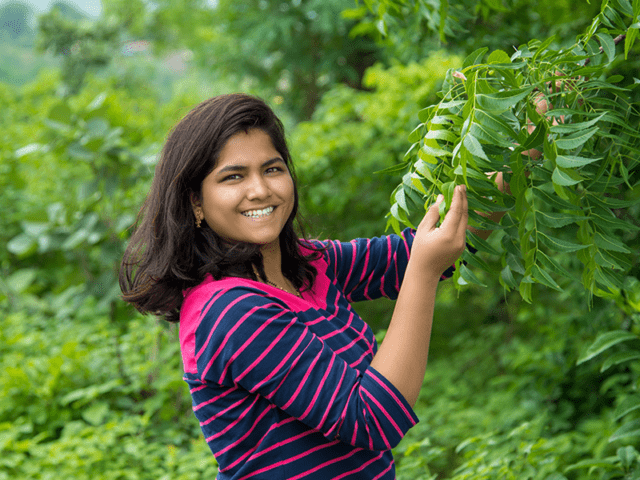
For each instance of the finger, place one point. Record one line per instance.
(452, 218)
(432, 216)
(464, 219)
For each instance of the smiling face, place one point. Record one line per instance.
(249, 195)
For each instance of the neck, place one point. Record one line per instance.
(272, 262)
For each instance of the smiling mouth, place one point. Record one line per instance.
(259, 213)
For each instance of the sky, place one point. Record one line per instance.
(90, 7)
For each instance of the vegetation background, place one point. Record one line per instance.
(545, 388)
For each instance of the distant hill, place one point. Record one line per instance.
(19, 62)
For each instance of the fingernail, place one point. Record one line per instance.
(440, 198)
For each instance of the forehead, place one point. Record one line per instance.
(247, 147)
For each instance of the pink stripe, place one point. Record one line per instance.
(318, 389)
(304, 379)
(291, 459)
(278, 367)
(272, 447)
(335, 264)
(248, 342)
(364, 272)
(218, 320)
(384, 472)
(355, 434)
(379, 428)
(227, 337)
(360, 468)
(390, 392)
(322, 465)
(347, 347)
(225, 410)
(354, 249)
(366, 427)
(333, 397)
(235, 422)
(197, 389)
(247, 433)
(361, 359)
(214, 399)
(281, 443)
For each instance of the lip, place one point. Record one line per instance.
(259, 208)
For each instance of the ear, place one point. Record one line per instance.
(196, 203)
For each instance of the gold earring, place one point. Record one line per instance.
(198, 220)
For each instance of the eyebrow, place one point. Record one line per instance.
(237, 168)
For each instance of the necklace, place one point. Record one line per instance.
(297, 294)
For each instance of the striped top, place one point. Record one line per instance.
(282, 385)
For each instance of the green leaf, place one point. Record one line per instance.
(489, 135)
(22, 245)
(620, 357)
(542, 47)
(544, 278)
(607, 259)
(451, 104)
(610, 243)
(565, 177)
(629, 429)
(480, 244)
(629, 404)
(401, 200)
(474, 57)
(498, 56)
(469, 276)
(576, 140)
(559, 245)
(627, 456)
(568, 161)
(495, 123)
(445, 135)
(604, 342)
(475, 261)
(474, 146)
(60, 113)
(22, 279)
(96, 413)
(591, 463)
(608, 46)
(557, 220)
(574, 127)
(610, 202)
(550, 264)
(434, 151)
(416, 134)
(553, 200)
(507, 277)
(501, 101)
(608, 278)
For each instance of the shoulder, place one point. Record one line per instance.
(216, 307)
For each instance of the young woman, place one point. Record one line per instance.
(286, 379)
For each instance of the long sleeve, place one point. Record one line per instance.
(250, 342)
(372, 268)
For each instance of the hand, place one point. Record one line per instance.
(437, 248)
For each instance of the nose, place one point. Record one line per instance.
(257, 188)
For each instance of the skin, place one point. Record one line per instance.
(402, 356)
(250, 175)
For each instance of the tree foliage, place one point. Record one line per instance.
(573, 199)
(543, 390)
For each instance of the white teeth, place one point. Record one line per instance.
(258, 213)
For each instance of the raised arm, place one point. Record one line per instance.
(402, 357)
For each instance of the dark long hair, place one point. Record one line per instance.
(167, 253)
